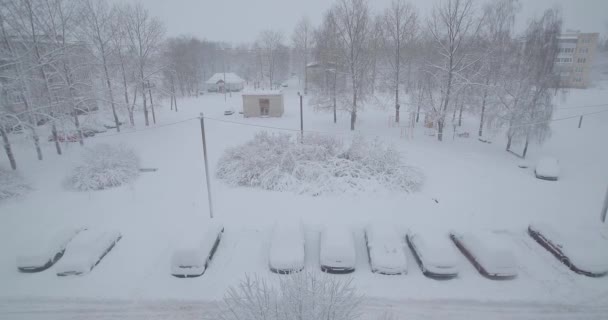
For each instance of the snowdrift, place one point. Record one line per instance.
(319, 165)
(11, 184)
(105, 166)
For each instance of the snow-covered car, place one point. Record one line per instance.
(385, 249)
(284, 85)
(547, 168)
(92, 129)
(192, 257)
(65, 136)
(286, 253)
(585, 252)
(228, 112)
(494, 263)
(86, 251)
(337, 251)
(435, 255)
(47, 251)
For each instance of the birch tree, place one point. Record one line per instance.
(352, 22)
(399, 26)
(450, 24)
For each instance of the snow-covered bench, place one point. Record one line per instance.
(584, 252)
(47, 252)
(192, 256)
(286, 253)
(435, 255)
(386, 250)
(337, 251)
(86, 250)
(496, 263)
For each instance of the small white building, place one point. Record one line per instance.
(228, 81)
(267, 103)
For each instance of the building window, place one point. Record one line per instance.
(581, 60)
(264, 107)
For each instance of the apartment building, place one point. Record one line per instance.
(575, 58)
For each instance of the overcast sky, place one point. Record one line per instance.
(241, 20)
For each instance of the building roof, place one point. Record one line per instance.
(263, 93)
(230, 78)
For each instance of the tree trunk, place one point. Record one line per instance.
(8, 149)
(108, 83)
(353, 113)
(397, 66)
(526, 147)
(77, 124)
(334, 96)
(440, 123)
(460, 114)
(483, 113)
(56, 138)
(509, 140)
(143, 94)
(36, 142)
(152, 106)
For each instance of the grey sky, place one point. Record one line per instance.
(241, 20)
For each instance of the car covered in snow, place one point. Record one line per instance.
(86, 251)
(547, 168)
(286, 253)
(584, 252)
(337, 250)
(435, 255)
(385, 249)
(192, 256)
(92, 129)
(47, 251)
(490, 259)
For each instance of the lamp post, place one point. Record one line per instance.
(301, 119)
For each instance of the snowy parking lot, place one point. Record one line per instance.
(469, 187)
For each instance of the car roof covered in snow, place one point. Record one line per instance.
(435, 249)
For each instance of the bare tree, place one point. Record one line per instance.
(450, 24)
(144, 35)
(302, 38)
(352, 21)
(300, 296)
(399, 26)
(97, 29)
(270, 43)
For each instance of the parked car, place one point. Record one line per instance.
(193, 256)
(92, 129)
(86, 251)
(112, 125)
(584, 253)
(228, 112)
(493, 263)
(385, 249)
(286, 250)
(65, 136)
(284, 85)
(47, 252)
(337, 251)
(547, 168)
(436, 257)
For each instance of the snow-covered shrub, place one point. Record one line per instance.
(11, 184)
(299, 296)
(105, 166)
(318, 165)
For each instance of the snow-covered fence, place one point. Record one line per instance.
(105, 166)
(320, 165)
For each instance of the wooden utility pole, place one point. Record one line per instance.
(206, 166)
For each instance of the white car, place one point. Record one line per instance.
(435, 255)
(584, 252)
(547, 168)
(192, 257)
(48, 252)
(337, 251)
(286, 250)
(492, 262)
(86, 251)
(386, 250)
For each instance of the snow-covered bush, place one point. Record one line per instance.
(299, 296)
(105, 166)
(319, 165)
(11, 184)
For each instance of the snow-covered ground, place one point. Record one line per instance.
(469, 187)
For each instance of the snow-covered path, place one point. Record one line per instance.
(55, 309)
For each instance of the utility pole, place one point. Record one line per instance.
(206, 166)
(224, 68)
(580, 122)
(301, 119)
(605, 207)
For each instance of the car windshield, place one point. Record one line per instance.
(322, 159)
